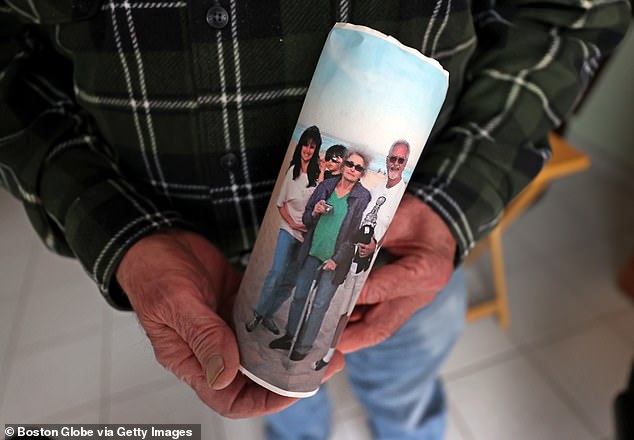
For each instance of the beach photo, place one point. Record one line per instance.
(365, 120)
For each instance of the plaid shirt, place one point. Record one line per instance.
(121, 117)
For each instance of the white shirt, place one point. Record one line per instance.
(295, 193)
(387, 209)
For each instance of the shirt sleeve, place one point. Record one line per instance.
(533, 60)
(283, 196)
(53, 159)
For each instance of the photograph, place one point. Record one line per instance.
(359, 135)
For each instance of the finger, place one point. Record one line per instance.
(378, 323)
(211, 341)
(173, 353)
(223, 277)
(243, 398)
(406, 276)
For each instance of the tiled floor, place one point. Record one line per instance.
(68, 358)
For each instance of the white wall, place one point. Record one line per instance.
(605, 123)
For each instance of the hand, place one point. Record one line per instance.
(392, 293)
(367, 249)
(330, 265)
(182, 290)
(299, 227)
(320, 208)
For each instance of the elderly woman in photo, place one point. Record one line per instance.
(298, 185)
(332, 216)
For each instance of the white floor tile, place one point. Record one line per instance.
(131, 358)
(623, 323)
(87, 414)
(8, 319)
(354, 428)
(591, 367)
(542, 304)
(481, 341)
(452, 432)
(517, 257)
(121, 318)
(15, 229)
(454, 426)
(61, 377)
(477, 276)
(51, 271)
(71, 305)
(13, 270)
(511, 401)
(345, 405)
(170, 404)
(550, 226)
(591, 272)
(598, 200)
(252, 429)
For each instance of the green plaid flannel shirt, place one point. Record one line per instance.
(121, 117)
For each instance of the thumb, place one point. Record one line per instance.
(212, 341)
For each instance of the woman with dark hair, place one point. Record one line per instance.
(312, 170)
(332, 216)
(331, 166)
(298, 185)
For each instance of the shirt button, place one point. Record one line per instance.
(217, 17)
(229, 161)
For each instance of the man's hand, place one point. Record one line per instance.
(365, 250)
(392, 293)
(182, 289)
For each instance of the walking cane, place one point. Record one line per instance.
(307, 306)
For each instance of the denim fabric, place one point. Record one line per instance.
(396, 381)
(280, 280)
(321, 302)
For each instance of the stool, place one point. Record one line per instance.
(565, 160)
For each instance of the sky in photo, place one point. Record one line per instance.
(368, 92)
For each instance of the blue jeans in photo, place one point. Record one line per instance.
(396, 381)
(280, 280)
(321, 302)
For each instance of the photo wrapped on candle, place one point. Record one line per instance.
(366, 117)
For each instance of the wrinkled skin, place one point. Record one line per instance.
(425, 249)
(182, 290)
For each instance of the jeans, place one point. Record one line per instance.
(280, 280)
(321, 302)
(396, 381)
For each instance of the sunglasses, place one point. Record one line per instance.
(351, 164)
(335, 159)
(394, 159)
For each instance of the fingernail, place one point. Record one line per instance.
(215, 367)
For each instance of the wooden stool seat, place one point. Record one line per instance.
(565, 160)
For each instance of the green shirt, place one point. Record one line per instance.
(328, 226)
(119, 118)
